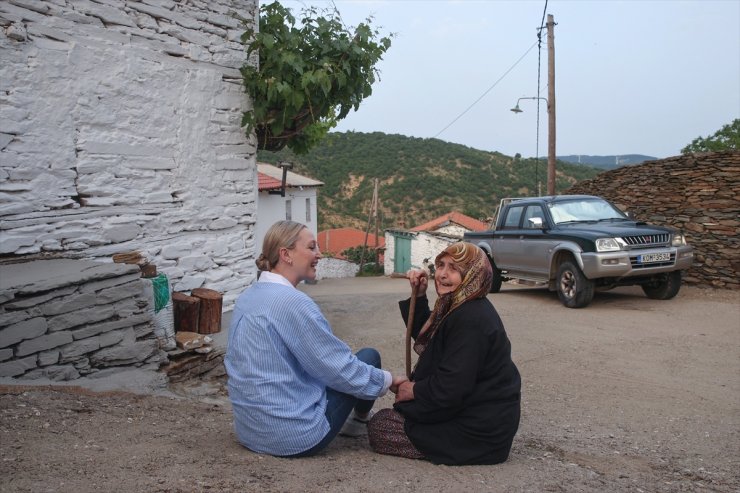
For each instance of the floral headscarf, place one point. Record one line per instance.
(476, 273)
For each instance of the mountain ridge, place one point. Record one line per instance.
(419, 179)
(607, 162)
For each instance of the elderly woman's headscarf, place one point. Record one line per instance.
(476, 273)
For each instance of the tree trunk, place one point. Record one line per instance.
(186, 311)
(211, 302)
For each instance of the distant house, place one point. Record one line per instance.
(335, 241)
(297, 204)
(407, 248)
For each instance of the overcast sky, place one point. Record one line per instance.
(631, 77)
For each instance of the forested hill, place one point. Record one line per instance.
(419, 179)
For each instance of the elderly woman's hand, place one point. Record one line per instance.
(418, 278)
(405, 392)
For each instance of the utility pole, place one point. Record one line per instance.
(551, 105)
(373, 214)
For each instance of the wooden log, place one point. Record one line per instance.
(186, 312)
(211, 303)
(148, 270)
(128, 258)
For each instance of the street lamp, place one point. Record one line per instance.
(516, 108)
(550, 145)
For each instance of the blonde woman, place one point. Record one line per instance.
(293, 385)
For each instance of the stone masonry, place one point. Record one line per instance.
(698, 194)
(120, 131)
(62, 319)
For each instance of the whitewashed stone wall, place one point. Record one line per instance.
(423, 246)
(120, 130)
(452, 229)
(334, 268)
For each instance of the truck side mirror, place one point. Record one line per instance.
(535, 222)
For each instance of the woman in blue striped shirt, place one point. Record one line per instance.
(293, 385)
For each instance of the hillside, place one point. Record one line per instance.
(420, 179)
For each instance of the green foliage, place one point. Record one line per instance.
(355, 254)
(420, 179)
(309, 77)
(368, 260)
(724, 139)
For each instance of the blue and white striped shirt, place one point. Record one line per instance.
(281, 357)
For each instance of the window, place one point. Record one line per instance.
(533, 211)
(308, 209)
(288, 210)
(512, 218)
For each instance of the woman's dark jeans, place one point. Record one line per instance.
(339, 405)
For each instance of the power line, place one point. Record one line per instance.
(487, 90)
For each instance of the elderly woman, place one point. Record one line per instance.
(462, 403)
(293, 385)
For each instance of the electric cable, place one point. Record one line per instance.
(487, 90)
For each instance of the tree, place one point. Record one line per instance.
(309, 77)
(726, 138)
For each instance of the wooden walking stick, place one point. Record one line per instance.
(409, 324)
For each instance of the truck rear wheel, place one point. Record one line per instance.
(496, 284)
(665, 288)
(574, 290)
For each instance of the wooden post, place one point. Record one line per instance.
(209, 321)
(551, 154)
(186, 312)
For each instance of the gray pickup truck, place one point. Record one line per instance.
(577, 244)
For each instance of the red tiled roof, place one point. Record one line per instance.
(268, 182)
(335, 241)
(454, 217)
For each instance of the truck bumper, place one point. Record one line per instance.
(629, 264)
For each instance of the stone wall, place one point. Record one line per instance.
(62, 319)
(699, 194)
(334, 268)
(120, 131)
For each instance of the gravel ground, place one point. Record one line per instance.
(628, 394)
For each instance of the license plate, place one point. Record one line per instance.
(649, 258)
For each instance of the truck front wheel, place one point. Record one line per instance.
(496, 283)
(665, 288)
(574, 290)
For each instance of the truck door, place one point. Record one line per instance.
(534, 246)
(506, 238)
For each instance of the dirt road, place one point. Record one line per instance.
(629, 394)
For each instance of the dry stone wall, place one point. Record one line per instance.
(62, 319)
(699, 194)
(120, 131)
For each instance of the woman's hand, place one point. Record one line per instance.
(398, 380)
(405, 391)
(418, 278)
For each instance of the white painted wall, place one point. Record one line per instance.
(452, 229)
(423, 245)
(120, 130)
(333, 268)
(272, 208)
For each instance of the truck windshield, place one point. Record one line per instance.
(584, 210)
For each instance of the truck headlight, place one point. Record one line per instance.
(607, 245)
(678, 240)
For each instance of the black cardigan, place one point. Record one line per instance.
(467, 389)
